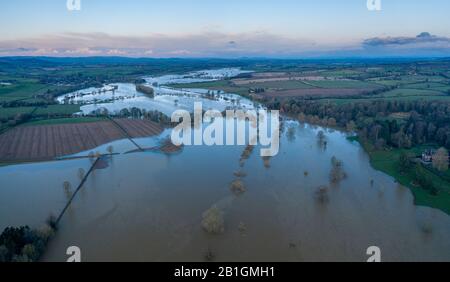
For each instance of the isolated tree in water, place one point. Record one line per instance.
(81, 173)
(440, 160)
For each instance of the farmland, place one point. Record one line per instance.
(391, 81)
(46, 142)
(381, 103)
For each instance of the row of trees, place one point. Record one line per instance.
(19, 103)
(14, 120)
(137, 113)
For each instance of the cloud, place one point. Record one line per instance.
(424, 38)
(424, 44)
(209, 44)
(216, 44)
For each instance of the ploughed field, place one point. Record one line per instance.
(318, 92)
(46, 142)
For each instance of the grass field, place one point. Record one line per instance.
(12, 112)
(57, 110)
(22, 89)
(63, 121)
(343, 84)
(405, 92)
(40, 111)
(393, 98)
(289, 88)
(282, 85)
(387, 162)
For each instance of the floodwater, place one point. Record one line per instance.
(149, 206)
(166, 99)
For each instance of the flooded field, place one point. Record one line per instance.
(226, 203)
(166, 99)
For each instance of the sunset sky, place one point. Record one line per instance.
(232, 28)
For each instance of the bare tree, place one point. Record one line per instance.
(81, 173)
(337, 172)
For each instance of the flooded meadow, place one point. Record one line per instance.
(317, 200)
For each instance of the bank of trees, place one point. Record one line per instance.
(23, 244)
(420, 122)
(441, 159)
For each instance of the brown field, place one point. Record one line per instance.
(269, 74)
(245, 81)
(46, 142)
(316, 92)
(139, 128)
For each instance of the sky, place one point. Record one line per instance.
(229, 29)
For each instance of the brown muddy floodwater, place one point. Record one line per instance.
(150, 206)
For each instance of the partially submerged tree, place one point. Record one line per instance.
(81, 173)
(67, 186)
(110, 149)
(321, 139)
(337, 172)
(67, 189)
(237, 187)
(266, 162)
(321, 194)
(240, 173)
(213, 221)
(91, 155)
(321, 136)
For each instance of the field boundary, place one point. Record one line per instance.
(76, 191)
(126, 133)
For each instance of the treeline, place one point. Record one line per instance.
(137, 113)
(23, 244)
(19, 103)
(400, 124)
(14, 120)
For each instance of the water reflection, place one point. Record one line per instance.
(155, 209)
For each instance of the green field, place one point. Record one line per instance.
(22, 89)
(404, 92)
(343, 84)
(64, 121)
(387, 162)
(57, 110)
(12, 112)
(278, 85)
(40, 111)
(393, 98)
(340, 73)
(427, 85)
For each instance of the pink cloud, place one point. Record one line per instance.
(158, 45)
